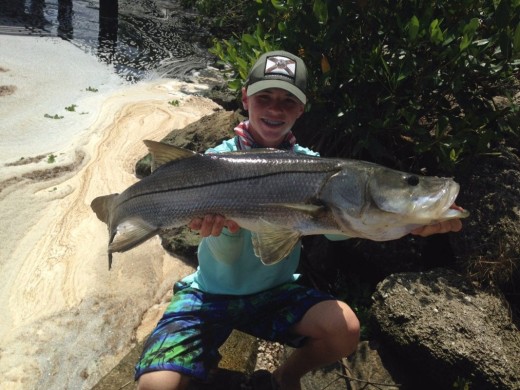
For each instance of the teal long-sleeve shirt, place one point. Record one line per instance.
(228, 264)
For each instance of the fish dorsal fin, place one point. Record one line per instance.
(274, 242)
(131, 233)
(164, 153)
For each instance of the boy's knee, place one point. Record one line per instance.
(162, 380)
(352, 330)
(344, 329)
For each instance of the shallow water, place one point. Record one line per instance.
(145, 36)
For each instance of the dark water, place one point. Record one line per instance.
(139, 37)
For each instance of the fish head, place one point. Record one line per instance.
(421, 199)
(378, 203)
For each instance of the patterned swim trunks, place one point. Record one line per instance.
(196, 324)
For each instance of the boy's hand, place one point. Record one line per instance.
(451, 225)
(212, 225)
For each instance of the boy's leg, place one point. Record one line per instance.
(322, 328)
(332, 331)
(184, 343)
(163, 380)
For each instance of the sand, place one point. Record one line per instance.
(66, 320)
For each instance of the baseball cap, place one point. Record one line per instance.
(278, 69)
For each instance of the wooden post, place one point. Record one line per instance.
(108, 23)
(108, 9)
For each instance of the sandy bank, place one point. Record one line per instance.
(66, 319)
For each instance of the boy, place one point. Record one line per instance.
(232, 289)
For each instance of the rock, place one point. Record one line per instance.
(198, 136)
(239, 352)
(488, 247)
(444, 329)
(365, 369)
(330, 377)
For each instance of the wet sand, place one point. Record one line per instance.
(66, 320)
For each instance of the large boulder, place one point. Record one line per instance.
(445, 329)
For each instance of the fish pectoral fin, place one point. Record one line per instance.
(306, 208)
(131, 233)
(164, 153)
(274, 244)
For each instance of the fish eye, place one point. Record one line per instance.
(412, 180)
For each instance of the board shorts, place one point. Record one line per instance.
(196, 324)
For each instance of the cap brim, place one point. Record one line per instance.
(266, 84)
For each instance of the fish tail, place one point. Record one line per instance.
(102, 205)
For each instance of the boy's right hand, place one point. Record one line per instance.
(212, 225)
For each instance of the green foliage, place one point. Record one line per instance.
(71, 108)
(55, 116)
(241, 53)
(51, 159)
(462, 384)
(174, 103)
(405, 83)
(224, 16)
(92, 89)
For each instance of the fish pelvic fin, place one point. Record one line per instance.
(163, 153)
(274, 243)
(130, 233)
(102, 206)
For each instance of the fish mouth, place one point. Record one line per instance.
(432, 200)
(438, 204)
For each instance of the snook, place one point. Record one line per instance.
(278, 195)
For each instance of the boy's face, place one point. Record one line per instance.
(272, 113)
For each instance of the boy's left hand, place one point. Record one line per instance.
(451, 225)
(212, 225)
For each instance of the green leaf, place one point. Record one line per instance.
(278, 5)
(436, 34)
(471, 27)
(502, 14)
(464, 43)
(468, 32)
(235, 84)
(321, 11)
(413, 28)
(249, 39)
(505, 44)
(516, 39)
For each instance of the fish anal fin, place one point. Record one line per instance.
(274, 243)
(163, 153)
(131, 233)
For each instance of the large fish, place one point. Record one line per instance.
(278, 195)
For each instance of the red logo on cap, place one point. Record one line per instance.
(280, 65)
